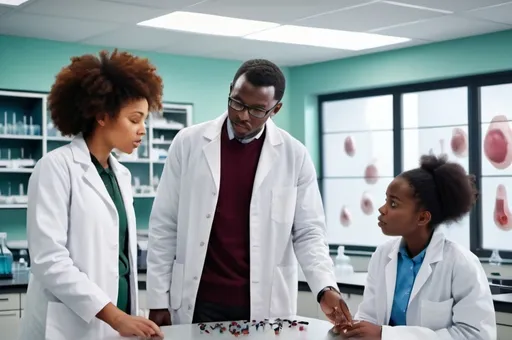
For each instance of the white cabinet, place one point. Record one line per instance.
(10, 324)
(307, 305)
(10, 315)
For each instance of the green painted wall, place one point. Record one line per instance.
(479, 54)
(31, 65)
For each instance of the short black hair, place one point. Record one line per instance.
(261, 72)
(443, 188)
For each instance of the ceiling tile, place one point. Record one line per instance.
(283, 11)
(53, 28)
(453, 5)
(368, 17)
(500, 13)
(4, 9)
(93, 10)
(165, 4)
(444, 28)
(243, 49)
(136, 38)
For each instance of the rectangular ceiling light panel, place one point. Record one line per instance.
(322, 37)
(207, 24)
(12, 2)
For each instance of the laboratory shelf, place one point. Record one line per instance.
(16, 170)
(27, 133)
(144, 195)
(58, 139)
(22, 137)
(13, 206)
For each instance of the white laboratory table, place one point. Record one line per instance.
(316, 330)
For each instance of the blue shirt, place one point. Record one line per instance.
(406, 272)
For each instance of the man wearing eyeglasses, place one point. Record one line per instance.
(238, 204)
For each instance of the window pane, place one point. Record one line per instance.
(436, 122)
(495, 237)
(361, 114)
(363, 229)
(496, 100)
(418, 142)
(447, 107)
(369, 148)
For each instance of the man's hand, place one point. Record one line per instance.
(161, 317)
(335, 309)
(360, 330)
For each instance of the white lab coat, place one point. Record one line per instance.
(72, 230)
(451, 298)
(286, 219)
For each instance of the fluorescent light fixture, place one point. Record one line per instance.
(12, 2)
(322, 37)
(207, 24)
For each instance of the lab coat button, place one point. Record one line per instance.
(201, 244)
(214, 193)
(195, 278)
(189, 307)
(209, 215)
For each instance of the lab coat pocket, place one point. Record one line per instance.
(284, 200)
(283, 302)
(436, 315)
(176, 285)
(64, 324)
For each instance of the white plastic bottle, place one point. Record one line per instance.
(343, 267)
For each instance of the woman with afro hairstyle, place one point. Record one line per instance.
(81, 225)
(421, 286)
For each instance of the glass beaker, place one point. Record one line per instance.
(5, 258)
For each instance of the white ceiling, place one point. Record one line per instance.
(113, 23)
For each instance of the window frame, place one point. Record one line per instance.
(473, 83)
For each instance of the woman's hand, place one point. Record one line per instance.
(128, 325)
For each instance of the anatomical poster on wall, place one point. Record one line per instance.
(364, 168)
(496, 166)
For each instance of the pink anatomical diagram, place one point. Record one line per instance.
(502, 216)
(459, 142)
(350, 147)
(371, 173)
(497, 142)
(367, 204)
(345, 216)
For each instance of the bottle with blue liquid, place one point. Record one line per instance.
(5, 258)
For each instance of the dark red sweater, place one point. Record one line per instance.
(226, 274)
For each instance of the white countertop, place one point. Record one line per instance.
(316, 330)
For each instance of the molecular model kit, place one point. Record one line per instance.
(246, 327)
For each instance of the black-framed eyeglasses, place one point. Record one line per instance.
(255, 112)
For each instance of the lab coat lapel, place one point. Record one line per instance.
(391, 270)
(82, 155)
(268, 154)
(212, 149)
(433, 255)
